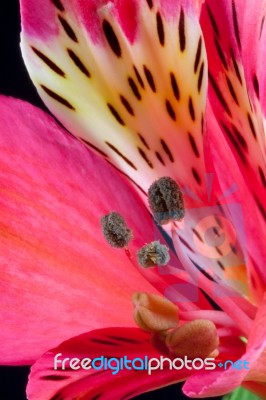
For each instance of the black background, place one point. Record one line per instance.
(14, 81)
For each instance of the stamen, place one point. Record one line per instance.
(153, 254)
(115, 230)
(166, 200)
(198, 338)
(154, 313)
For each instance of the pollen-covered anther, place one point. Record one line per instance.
(194, 339)
(153, 254)
(115, 230)
(166, 201)
(154, 313)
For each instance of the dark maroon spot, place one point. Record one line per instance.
(54, 377)
(236, 67)
(116, 114)
(56, 97)
(94, 148)
(58, 5)
(251, 125)
(128, 177)
(138, 77)
(57, 396)
(256, 86)
(240, 138)
(193, 145)
(121, 155)
(196, 176)
(262, 177)
(167, 150)
(144, 141)
(220, 53)
(219, 95)
(197, 234)
(134, 88)
(159, 157)
(202, 270)
(233, 248)
(160, 28)
(233, 140)
(127, 105)
(111, 38)
(213, 22)
(198, 55)
(185, 243)
(218, 251)
(67, 28)
(175, 86)
(181, 30)
(202, 123)
(145, 158)
(191, 109)
(97, 396)
(219, 222)
(232, 90)
(170, 110)
(149, 78)
(123, 339)
(235, 21)
(221, 265)
(49, 62)
(262, 25)
(150, 3)
(261, 208)
(76, 60)
(104, 342)
(200, 79)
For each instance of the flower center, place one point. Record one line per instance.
(152, 313)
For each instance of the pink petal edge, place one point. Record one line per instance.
(59, 277)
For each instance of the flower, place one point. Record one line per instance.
(110, 74)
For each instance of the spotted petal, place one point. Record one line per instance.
(129, 77)
(58, 276)
(233, 35)
(47, 383)
(243, 214)
(112, 77)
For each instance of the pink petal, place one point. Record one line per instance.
(58, 275)
(241, 209)
(221, 382)
(231, 29)
(45, 382)
(111, 76)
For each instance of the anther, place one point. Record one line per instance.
(115, 230)
(194, 339)
(166, 201)
(154, 313)
(153, 254)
